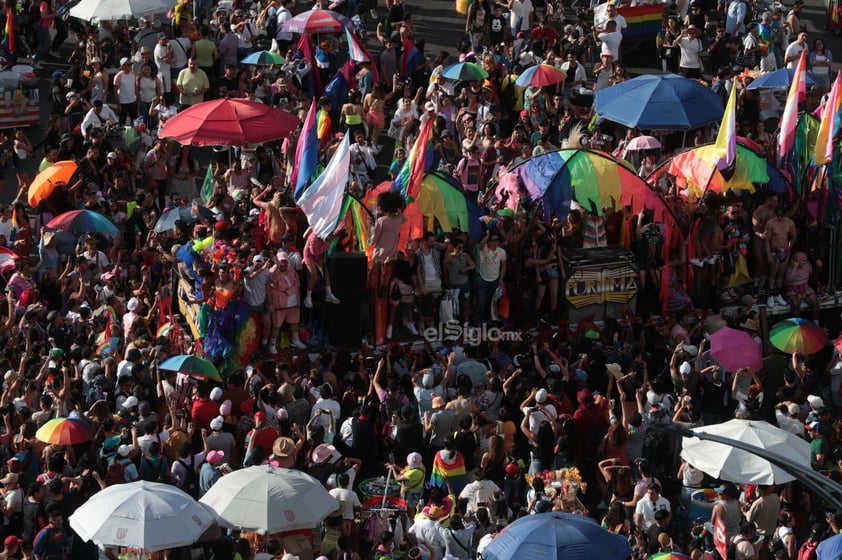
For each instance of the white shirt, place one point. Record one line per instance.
(158, 54)
(690, 49)
(539, 416)
(348, 500)
(791, 425)
(611, 42)
(794, 49)
(427, 531)
(6, 229)
(180, 472)
(479, 492)
(520, 13)
(124, 84)
(255, 288)
(91, 118)
(322, 419)
(647, 509)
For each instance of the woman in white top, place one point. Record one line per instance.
(820, 60)
(23, 151)
(690, 46)
(149, 88)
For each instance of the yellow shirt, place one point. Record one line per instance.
(190, 84)
(182, 14)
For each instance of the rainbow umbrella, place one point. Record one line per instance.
(82, 221)
(541, 75)
(668, 556)
(465, 71)
(442, 199)
(316, 21)
(798, 335)
(695, 169)
(193, 366)
(46, 181)
(263, 58)
(163, 330)
(595, 179)
(65, 431)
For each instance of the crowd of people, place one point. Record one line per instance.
(474, 435)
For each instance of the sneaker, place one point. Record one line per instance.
(411, 328)
(273, 348)
(697, 262)
(330, 298)
(770, 301)
(781, 301)
(308, 302)
(389, 332)
(298, 344)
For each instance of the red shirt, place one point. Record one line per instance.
(203, 411)
(264, 438)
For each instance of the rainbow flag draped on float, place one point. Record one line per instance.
(823, 153)
(644, 22)
(418, 161)
(789, 120)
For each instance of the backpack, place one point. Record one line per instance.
(808, 550)
(156, 473)
(116, 473)
(272, 24)
(191, 479)
(732, 546)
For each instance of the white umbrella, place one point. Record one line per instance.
(266, 499)
(735, 465)
(145, 515)
(109, 10)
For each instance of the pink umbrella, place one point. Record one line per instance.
(643, 143)
(735, 349)
(317, 21)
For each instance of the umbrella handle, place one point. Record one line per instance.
(386, 490)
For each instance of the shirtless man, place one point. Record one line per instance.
(780, 238)
(762, 214)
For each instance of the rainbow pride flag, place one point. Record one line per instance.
(9, 32)
(789, 120)
(418, 162)
(454, 473)
(644, 22)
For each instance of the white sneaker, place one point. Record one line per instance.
(389, 332)
(781, 300)
(330, 298)
(298, 344)
(308, 302)
(273, 348)
(697, 262)
(770, 301)
(411, 328)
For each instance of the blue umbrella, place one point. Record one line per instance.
(659, 102)
(185, 213)
(780, 79)
(830, 549)
(557, 536)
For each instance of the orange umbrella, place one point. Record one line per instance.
(45, 182)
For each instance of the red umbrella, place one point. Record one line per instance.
(735, 349)
(317, 21)
(229, 122)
